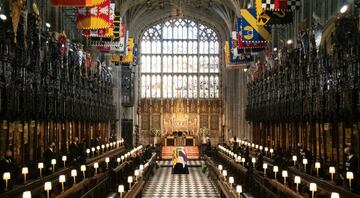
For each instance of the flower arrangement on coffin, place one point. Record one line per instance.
(156, 133)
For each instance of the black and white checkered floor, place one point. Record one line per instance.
(190, 163)
(166, 185)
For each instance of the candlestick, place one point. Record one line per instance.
(83, 169)
(40, 167)
(305, 162)
(64, 158)
(297, 181)
(231, 181)
(26, 194)
(88, 153)
(47, 188)
(130, 180)
(93, 151)
(317, 166)
(25, 171)
(285, 175)
(313, 189)
(96, 166)
(265, 166)
(136, 173)
(53, 163)
(118, 160)
(220, 167)
(349, 176)
(62, 179)
(6, 177)
(332, 171)
(107, 160)
(103, 148)
(253, 160)
(335, 195)
(121, 190)
(294, 158)
(239, 190)
(74, 174)
(276, 170)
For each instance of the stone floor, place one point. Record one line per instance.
(166, 185)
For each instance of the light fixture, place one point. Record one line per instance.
(121, 190)
(136, 173)
(243, 161)
(107, 160)
(335, 195)
(313, 189)
(88, 152)
(96, 166)
(294, 158)
(40, 167)
(289, 42)
(275, 49)
(25, 171)
(332, 172)
(26, 194)
(224, 173)
(285, 175)
(47, 188)
(3, 17)
(6, 177)
(47, 24)
(261, 148)
(305, 162)
(343, 9)
(220, 167)
(297, 181)
(245, 69)
(83, 169)
(271, 151)
(118, 160)
(64, 158)
(349, 176)
(103, 148)
(231, 181)
(275, 170)
(53, 163)
(62, 179)
(130, 180)
(317, 166)
(74, 174)
(253, 160)
(265, 166)
(93, 151)
(239, 190)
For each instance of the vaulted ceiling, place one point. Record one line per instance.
(219, 14)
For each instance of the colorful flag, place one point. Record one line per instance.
(76, 3)
(95, 17)
(103, 32)
(273, 15)
(250, 30)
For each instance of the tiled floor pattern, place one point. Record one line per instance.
(166, 185)
(190, 163)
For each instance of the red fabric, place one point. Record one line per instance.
(242, 45)
(281, 4)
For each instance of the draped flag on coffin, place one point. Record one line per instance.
(179, 156)
(250, 30)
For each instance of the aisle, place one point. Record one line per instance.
(166, 185)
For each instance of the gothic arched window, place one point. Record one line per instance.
(180, 59)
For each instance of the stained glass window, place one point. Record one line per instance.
(180, 59)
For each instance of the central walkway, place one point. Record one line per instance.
(166, 185)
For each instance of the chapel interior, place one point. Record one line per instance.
(179, 98)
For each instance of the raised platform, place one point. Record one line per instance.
(192, 152)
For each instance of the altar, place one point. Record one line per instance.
(179, 139)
